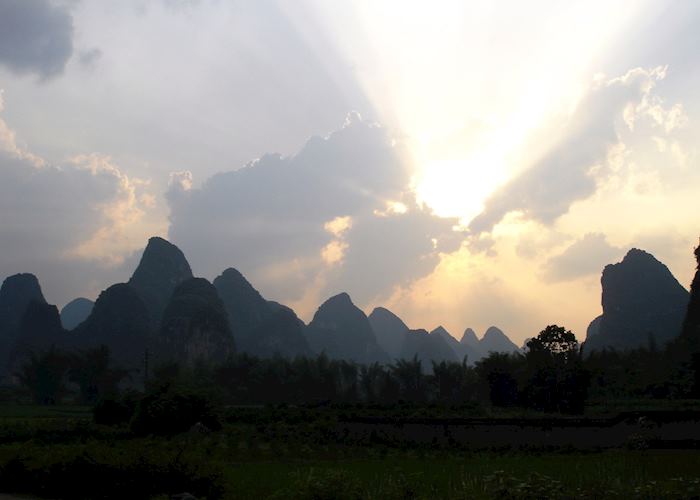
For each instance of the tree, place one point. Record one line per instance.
(555, 341)
(347, 381)
(556, 378)
(499, 371)
(44, 374)
(409, 375)
(370, 379)
(91, 369)
(454, 382)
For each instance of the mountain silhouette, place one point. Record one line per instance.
(40, 329)
(119, 320)
(16, 293)
(494, 340)
(342, 331)
(195, 325)
(641, 300)
(691, 324)
(427, 348)
(389, 329)
(259, 327)
(471, 345)
(449, 340)
(163, 267)
(593, 327)
(468, 347)
(75, 312)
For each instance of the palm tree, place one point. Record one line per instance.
(409, 374)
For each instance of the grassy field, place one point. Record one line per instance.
(59, 453)
(8, 411)
(485, 475)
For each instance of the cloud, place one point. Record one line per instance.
(584, 257)
(89, 58)
(73, 225)
(286, 221)
(36, 36)
(570, 171)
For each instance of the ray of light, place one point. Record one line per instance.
(477, 88)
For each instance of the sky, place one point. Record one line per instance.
(464, 164)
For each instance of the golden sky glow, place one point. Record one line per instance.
(533, 143)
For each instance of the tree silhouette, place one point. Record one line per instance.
(91, 369)
(44, 374)
(554, 341)
(409, 375)
(454, 383)
(499, 371)
(370, 379)
(556, 378)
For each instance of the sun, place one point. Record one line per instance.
(458, 187)
(470, 89)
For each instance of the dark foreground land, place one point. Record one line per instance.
(351, 452)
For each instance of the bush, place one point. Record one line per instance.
(169, 410)
(88, 472)
(116, 410)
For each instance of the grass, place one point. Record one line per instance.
(259, 455)
(484, 475)
(36, 411)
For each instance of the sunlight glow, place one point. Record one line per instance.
(476, 94)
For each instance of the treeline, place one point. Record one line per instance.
(551, 376)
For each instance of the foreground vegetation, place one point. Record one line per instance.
(278, 428)
(553, 375)
(282, 452)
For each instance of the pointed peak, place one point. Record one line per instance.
(633, 258)
(80, 301)
(22, 286)
(338, 304)
(161, 261)
(495, 340)
(75, 312)
(232, 272)
(494, 331)
(383, 313)
(469, 337)
(232, 277)
(638, 253)
(440, 330)
(341, 299)
(157, 240)
(158, 246)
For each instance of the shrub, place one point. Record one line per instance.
(79, 472)
(170, 410)
(114, 411)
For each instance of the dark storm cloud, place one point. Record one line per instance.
(269, 219)
(36, 36)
